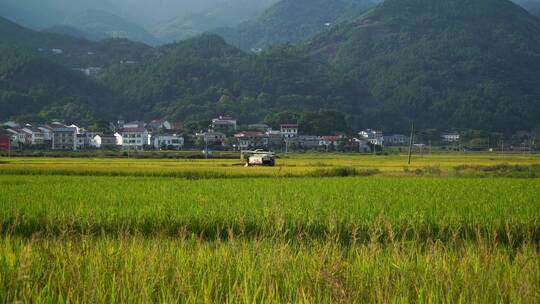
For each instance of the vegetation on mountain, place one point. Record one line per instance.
(441, 63)
(292, 21)
(225, 14)
(106, 25)
(36, 89)
(75, 52)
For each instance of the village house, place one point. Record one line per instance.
(47, 134)
(105, 141)
(64, 139)
(168, 142)
(450, 137)
(330, 141)
(211, 138)
(5, 140)
(131, 125)
(372, 136)
(135, 138)
(308, 141)
(259, 127)
(37, 138)
(361, 145)
(157, 124)
(274, 138)
(396, 140)
(289, 131)
(18, 137)
(251, 139)
(224, 124)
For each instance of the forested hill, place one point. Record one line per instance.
(292, 21)
(36, 89)
(204, 76)
(76, 52)
(441, 62)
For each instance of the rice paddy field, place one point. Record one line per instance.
(314, 229)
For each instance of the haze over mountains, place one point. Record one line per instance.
(443, 63)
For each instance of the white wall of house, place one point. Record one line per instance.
(175, 141)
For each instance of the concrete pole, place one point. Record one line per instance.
(411, 144)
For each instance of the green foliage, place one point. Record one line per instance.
(469, 62)
(292, 21)
(37, 89)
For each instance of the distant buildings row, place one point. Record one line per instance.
(163, 135)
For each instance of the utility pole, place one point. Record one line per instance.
(206, 146)
(411, 143)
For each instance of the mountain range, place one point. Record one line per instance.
(442, 63)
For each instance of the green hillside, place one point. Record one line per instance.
(107, 25)
(292, 21)
(76, 52)
(34, 89)
(441, 62)
(444, 64)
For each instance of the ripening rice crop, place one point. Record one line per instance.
(348, 239)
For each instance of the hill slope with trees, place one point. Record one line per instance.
(441, 62)
(292, 21)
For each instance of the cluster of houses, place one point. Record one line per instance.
(58, 136)
(163, 135)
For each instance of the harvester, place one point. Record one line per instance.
(259, 158)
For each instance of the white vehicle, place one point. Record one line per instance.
(259, 158)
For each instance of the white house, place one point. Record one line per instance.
(135, 138)
(105, 141)
(396, 140)
(36, 135)
(224, 124)
(450, 137)
(251, 139)
(372, 136)
(327, 141)
(168, 141)
(289, 131)
(211, 137)
(309, 141)
(47, 133)
(18, 136)
(158, 124)
(64, 139)
(133, 125)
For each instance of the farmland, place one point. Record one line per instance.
(464, 228)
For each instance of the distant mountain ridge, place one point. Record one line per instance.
(441, 63)
(292, 21)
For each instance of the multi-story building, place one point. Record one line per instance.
(224, 124)
(450, 137)
(37, 138)
(211, 138)
(330, 141)
(168, 142)
(289, 131)
(396, 140)
(105, 141)
(251, 139)
(372, 136)
(308, 141)
(64, 139)
(135, 138)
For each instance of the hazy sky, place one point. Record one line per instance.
(147, 12)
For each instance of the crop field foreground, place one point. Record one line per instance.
(450, 229)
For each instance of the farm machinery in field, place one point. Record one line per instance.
(259, 158)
